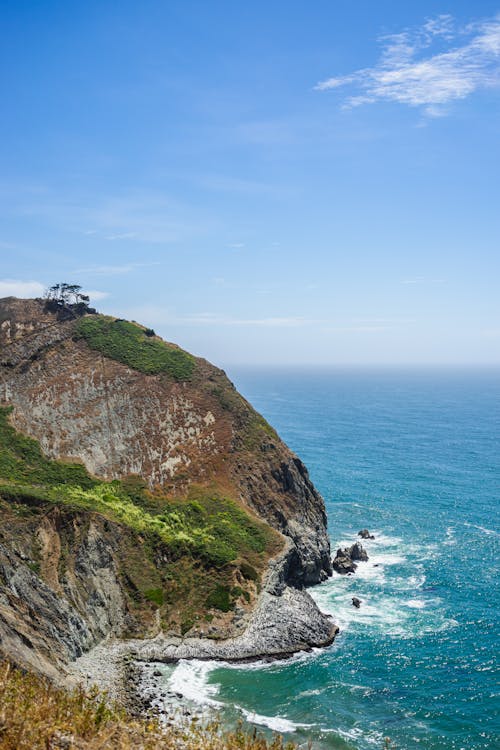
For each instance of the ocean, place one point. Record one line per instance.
(414, 456)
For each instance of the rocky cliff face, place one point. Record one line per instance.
(175, 432)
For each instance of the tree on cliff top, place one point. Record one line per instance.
(67, 299)
(67, 294)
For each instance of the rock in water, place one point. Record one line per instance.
(356, 602)
(365, 534)
(343, 563)
(357, 552)
(344, 560)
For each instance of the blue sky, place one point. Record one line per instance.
(265, 182)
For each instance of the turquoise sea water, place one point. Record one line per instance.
(415, 457)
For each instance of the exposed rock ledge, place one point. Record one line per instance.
(285, 621)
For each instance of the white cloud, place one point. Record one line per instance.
(226, 320)
(410, 72)
(157, 315)
(95, 295)
(114, 270)
(17, 288)
(129, 216)
(121, 236)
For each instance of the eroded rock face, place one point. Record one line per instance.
(54, 609)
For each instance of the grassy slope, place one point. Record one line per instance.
(34, 715)
(134, 346)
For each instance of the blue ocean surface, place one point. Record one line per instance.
(415, 457)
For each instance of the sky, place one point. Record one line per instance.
(265, 183)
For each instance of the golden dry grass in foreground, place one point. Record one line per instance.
(34, 715)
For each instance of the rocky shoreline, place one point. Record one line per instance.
(285, 621)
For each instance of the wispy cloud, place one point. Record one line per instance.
(116, 270)
(18, 288)
(158, 315)
(140, 216)
(360, 329)
(412, 71)
(273, 322)
(121, 236)
(422, 280)
(95, 295)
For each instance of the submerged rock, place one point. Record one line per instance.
(365, 534)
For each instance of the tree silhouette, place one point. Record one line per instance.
(67, 300)
(67, 294)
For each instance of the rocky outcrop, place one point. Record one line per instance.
(357, 552)
(345, 559)
(46, 627)
(62, 598)
(282, 624)
(342, 562)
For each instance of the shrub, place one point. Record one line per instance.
(248, 572)
(220, 598)
(155, 596)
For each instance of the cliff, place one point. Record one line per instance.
(142, 496)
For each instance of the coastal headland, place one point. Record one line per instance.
(146, 507)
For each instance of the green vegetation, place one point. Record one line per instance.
(220, 598)
(216, 532)
(248, 572)
(155, 596)
(35, 715)
(180, 555)
(256, 430)
(21, 460)
(134, 346)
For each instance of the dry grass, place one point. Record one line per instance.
(34, 715)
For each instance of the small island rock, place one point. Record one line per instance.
(365, 534)
(342, 562)
(357, 552)
(356, 602)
